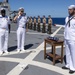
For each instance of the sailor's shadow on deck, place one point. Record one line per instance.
(28, 46)
(12, 48)
(15, 47)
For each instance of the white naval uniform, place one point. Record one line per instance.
(4, 21)
(21, 30)
(69, 35)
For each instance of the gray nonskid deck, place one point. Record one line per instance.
(33, 61)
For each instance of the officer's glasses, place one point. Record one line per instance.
(22, 11)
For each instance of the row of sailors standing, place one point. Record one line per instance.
(35, 24)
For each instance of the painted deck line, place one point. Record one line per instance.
(29, 58)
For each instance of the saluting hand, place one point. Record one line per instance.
(19, 13)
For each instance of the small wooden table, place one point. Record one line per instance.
(53, 53)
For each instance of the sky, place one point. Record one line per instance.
(55, 8)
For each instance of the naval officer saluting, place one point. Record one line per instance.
(4, 22)
(21, 30)
(69, 35)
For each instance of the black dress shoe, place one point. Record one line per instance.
(71, 72)
(64, 67)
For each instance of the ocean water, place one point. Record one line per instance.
(60, 21)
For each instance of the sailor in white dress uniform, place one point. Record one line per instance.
(21, 30)
(4, 22)
(69, 36)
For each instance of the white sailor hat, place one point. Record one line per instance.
(2, 9)
(21, 8)
(71, 7)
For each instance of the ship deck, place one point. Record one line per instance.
(31, 62)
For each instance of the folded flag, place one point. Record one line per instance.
(53, 38)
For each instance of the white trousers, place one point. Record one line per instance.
(70, 54)
(3, 40)
(20, 38)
